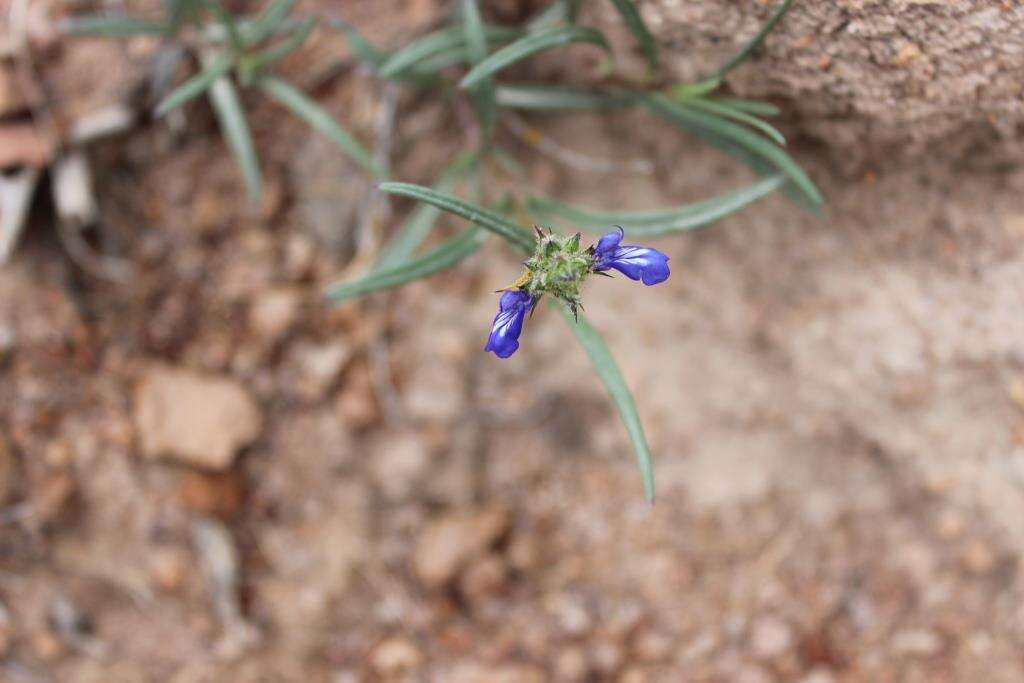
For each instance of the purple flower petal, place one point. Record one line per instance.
(607, 244)
(632, 260)
(508, 323)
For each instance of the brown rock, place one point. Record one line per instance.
(220, 494)
(455, 539)
(194, 419)
(771, 637)
(396, 655)
(483, 578)
(272, 314)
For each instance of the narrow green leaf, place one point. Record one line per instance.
(196, 85)
(608, 371)
(499, 225)
(531, 44)
(484, 105)
(264, 23)
(310, 112)
(232, 122)
(415, 229)
(227, 21)
(747, 49)
(662, 221)
(473, 25)
(526, 96)
(687, 91)
(718, 130)
(369, 53)
(455, 37)
(726, 111)
(445, 255)
(635, 23)
(112, 25)
(261, 60)
(558, 12)
(750, 106)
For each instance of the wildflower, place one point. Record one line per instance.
(632, 260)
(508, 324)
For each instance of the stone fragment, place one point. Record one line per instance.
(454, 540)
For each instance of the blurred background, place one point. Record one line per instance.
(207, 473)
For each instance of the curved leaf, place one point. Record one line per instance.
(281, 50)
(196, 85)
(232, 122)
(608, 371)
(724, 110)
(455, 37)
(531, 44)
(635, 23)
(488, 220)
(526, 96)
(309, 111)
(663, 221)
(447, 254)
(112, 25)
(415, 229)
(264, 23)
(731, 136)
(750, 106)
(747, 49)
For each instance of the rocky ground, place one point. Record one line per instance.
(207, 474)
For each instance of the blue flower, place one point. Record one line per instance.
(632, 260)
(508, 324)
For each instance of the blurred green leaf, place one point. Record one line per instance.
(750, 106)
(264, 23)
(747, 49)
(608, 371)
(445, 255)
(635, 23)
(309, 111)
(259, 61)
(483, 94)
(526, 96)
(661, 221)
(735, 137)
(687, 91)
(499, 225)
(366, 51)
(228, 22)
(558, 12)
(415, 229)
(531, 44)
(112, 25)
(232, 122)
(196, 85)
(414, 53)
(724, 110)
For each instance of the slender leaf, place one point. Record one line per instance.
(719, 131)
(608, 371)
(264, 23)
(724, 110)
(415, 229)
(229, 113)
(476, 47)
(369, 53)
(750, 106)
(531, 44)
(227, 21)
(445, 255)
(558, 12)
(635, 23)
(687, 91)
(747, 49)
(259, 61)
(663, 221)
(196, 85)
(526, 96)
(455, 37)
(112, 25)
(309, 111)
(499, 225)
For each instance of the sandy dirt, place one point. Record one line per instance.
(835, 405)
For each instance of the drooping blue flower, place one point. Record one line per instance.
(632, 260)
(508, 324)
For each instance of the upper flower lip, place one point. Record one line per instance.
(632, 260)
